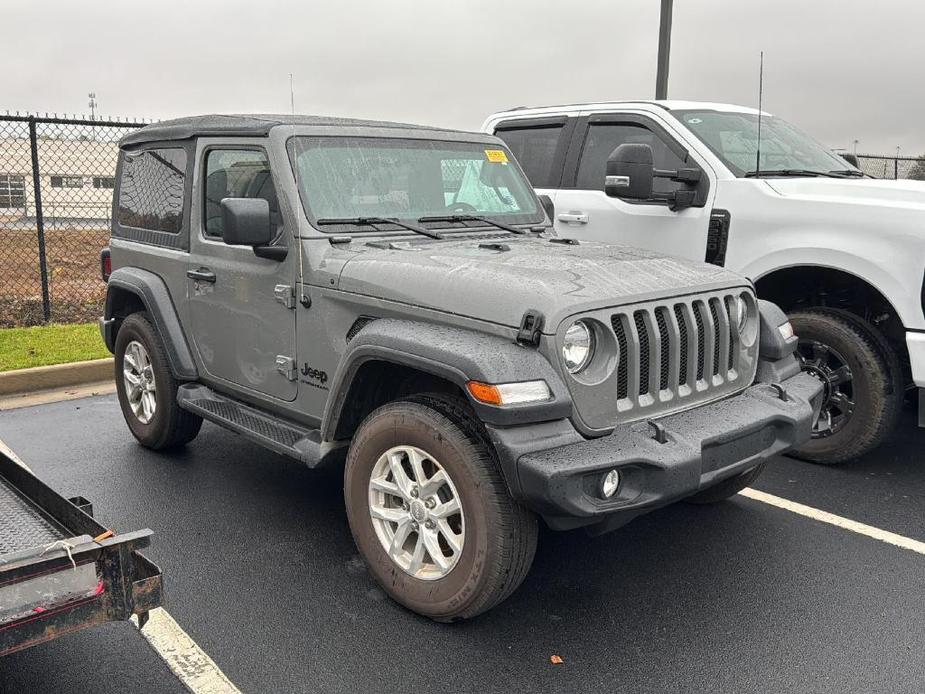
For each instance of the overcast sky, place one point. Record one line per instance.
(841, 69)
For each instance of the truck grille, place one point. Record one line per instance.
(682, 350)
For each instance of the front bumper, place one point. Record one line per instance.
(701, 447)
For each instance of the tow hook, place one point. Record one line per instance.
(781, 392)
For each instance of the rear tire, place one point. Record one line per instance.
(492, 538)
(727, 488)
(863, 384)
(147, 389)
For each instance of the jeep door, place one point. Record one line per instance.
(242, 317)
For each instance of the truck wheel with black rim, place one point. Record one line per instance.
(430, 512)
(147, 389)
(727, 488)
(862, 381)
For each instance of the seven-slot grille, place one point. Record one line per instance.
(670, 351)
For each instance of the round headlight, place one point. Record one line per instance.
(740, 313)
(578, 346)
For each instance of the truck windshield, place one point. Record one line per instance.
(785, 149)
(350, 178)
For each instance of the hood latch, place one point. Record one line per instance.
(531, 327)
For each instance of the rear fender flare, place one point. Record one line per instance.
(154, 295)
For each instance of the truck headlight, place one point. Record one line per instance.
(740, 313)
(578, 346)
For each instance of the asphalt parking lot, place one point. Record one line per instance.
(261, 571)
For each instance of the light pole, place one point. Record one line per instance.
(664, 50)
(92, 105)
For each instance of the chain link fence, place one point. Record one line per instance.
(56, 183)
(880, 166)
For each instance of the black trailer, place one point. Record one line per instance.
(60, 570)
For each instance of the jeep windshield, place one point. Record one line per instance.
(785, 150)
(346, 182)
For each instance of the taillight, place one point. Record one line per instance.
(105, 264)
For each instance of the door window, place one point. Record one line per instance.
(604, 138)
(236, 173)
(535, 147)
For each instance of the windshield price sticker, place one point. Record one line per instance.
(496, 156)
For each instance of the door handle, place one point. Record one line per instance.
(573, 217)
(203, 274)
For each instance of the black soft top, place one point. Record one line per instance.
(250, 125)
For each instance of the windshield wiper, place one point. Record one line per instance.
(788, 172)
(373, 221)
(472, 218)
(849, 173)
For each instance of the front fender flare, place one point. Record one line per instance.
(154, 295)
(455, 355)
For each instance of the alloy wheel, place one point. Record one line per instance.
(416, 512)
(140, 387)
(829, 366)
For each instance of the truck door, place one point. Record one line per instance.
(583, 210)
(242, 317)
(540, 146)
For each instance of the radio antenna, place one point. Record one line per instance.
(760, 98)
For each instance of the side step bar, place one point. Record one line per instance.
(268, 430)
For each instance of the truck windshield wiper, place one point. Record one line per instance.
(788, 172)
(373, 221)
(471, 218)
(849, 173)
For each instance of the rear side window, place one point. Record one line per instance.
(151, 190)
(535, 147)
(604, 138)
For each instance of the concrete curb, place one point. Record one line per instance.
(78, 373)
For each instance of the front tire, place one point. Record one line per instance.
(430, 512)
(147, 389)
(863, 384)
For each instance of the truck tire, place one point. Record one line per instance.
(727, 488)
(411, 464)
(863, 383)
(147, 389)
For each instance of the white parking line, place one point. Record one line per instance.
(192, 666)
(838, 521)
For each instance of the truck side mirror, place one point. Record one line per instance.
(548, 207)
(630, 172)
(851, 159)
(246, 222)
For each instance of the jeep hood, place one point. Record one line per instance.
(862, 191)
(497, 280)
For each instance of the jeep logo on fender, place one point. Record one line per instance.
(314, 374)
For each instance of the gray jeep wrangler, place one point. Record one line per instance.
(390, 299)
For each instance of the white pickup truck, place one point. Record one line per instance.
(842, 253)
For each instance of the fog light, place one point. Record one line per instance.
(610, 484)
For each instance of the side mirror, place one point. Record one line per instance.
(630, 172)
(246, 222)
(851, 159)
(548, 207)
